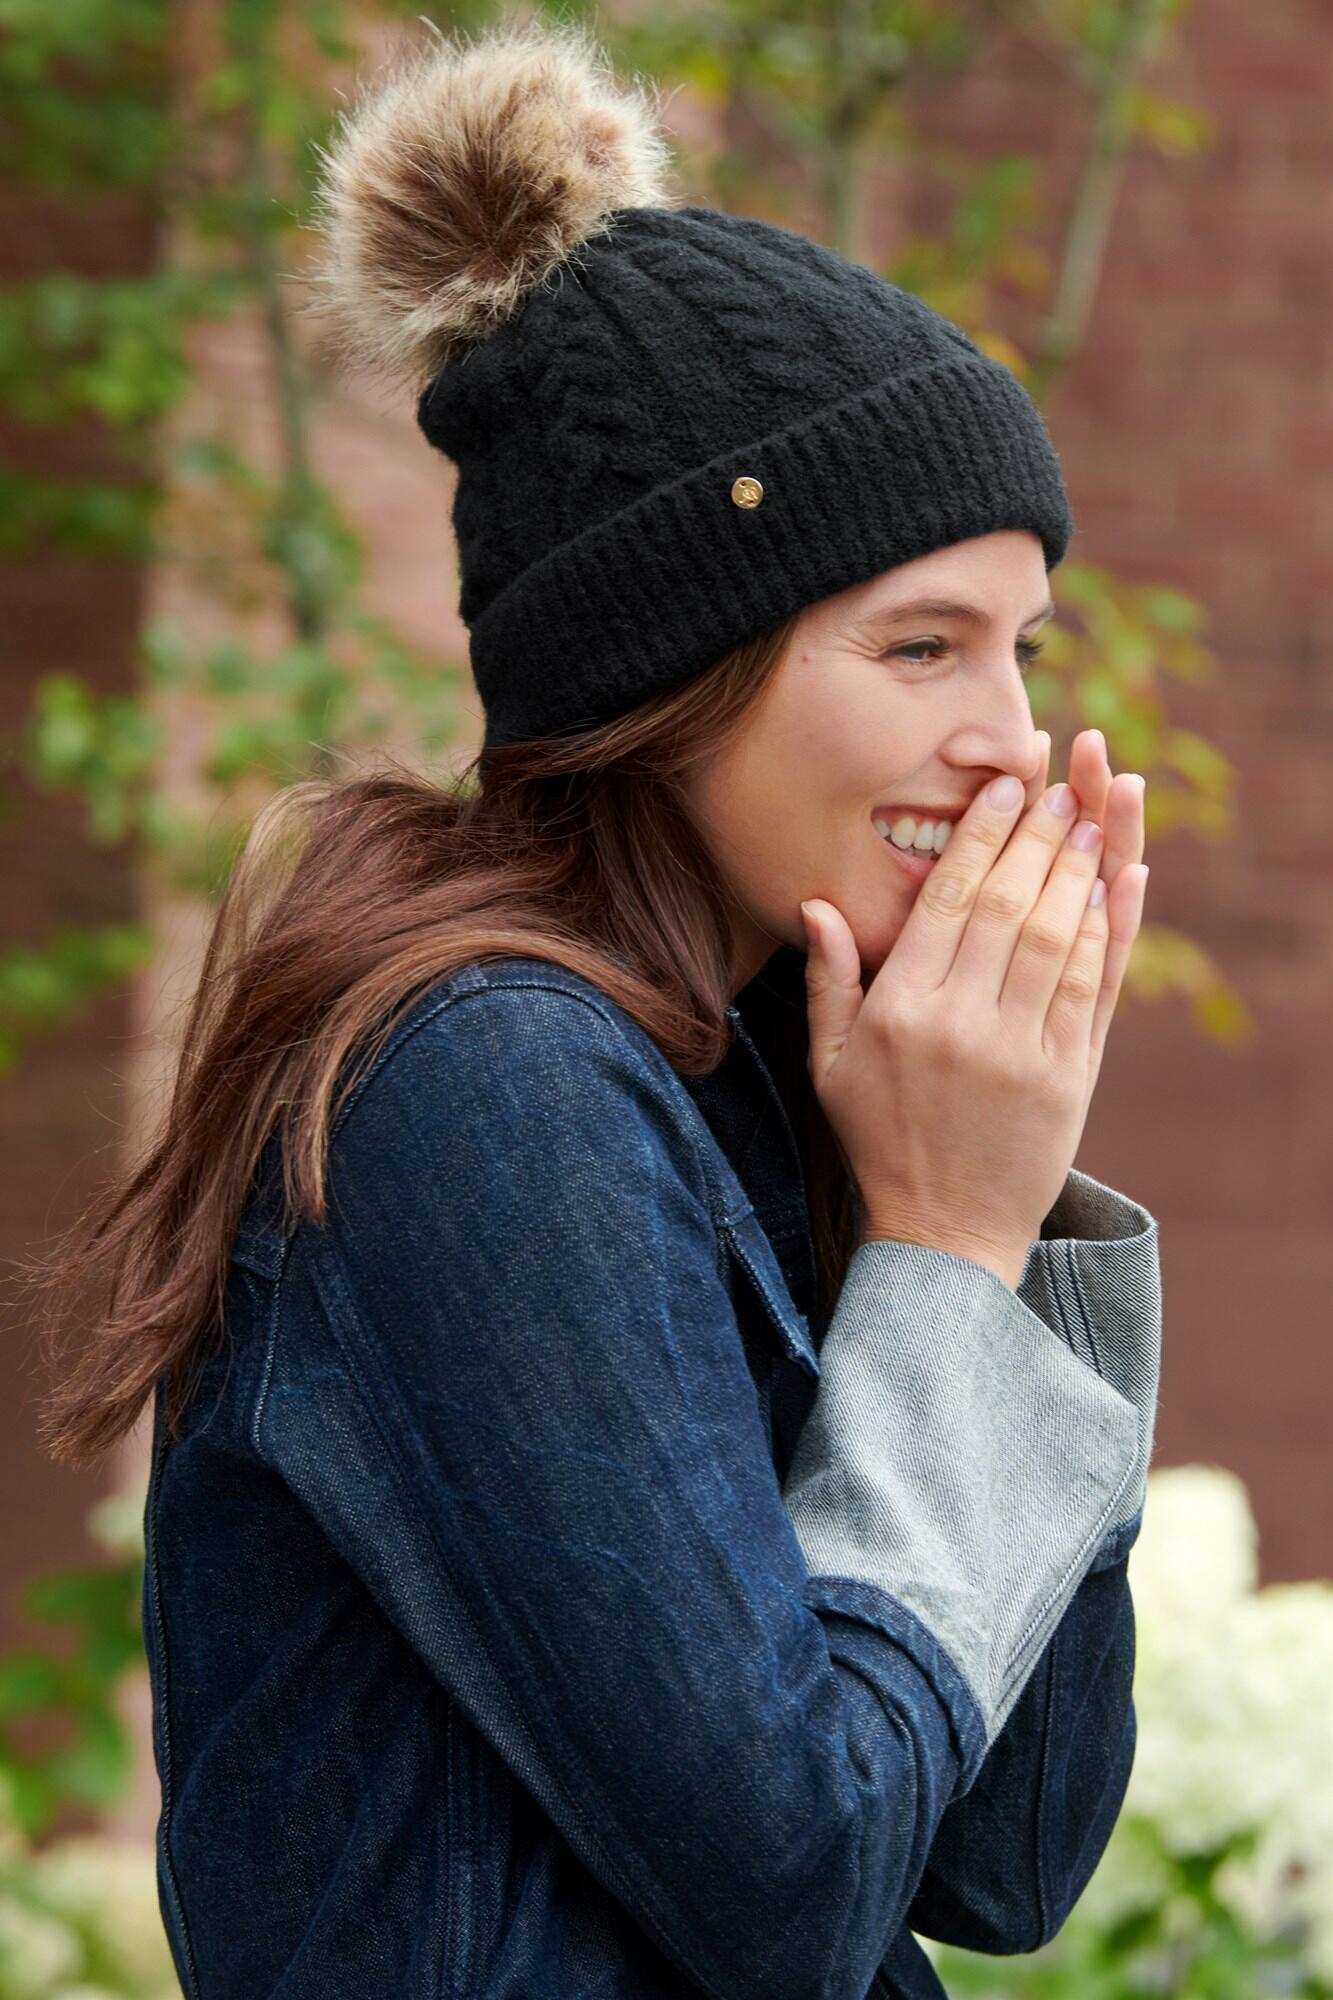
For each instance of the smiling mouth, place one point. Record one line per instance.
(913, 861)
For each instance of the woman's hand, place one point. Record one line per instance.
(1116, 803)
(958, 1083)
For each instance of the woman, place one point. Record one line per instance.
(648, 1421)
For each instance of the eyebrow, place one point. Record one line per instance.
(947, 607)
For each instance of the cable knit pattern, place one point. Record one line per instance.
(598, 432)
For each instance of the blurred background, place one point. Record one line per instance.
(224, 569)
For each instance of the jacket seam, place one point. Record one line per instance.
(1067, 1332)
(862, 1603)
(795, 1337)
(444, 1982)
(461, 1942)
(270, 1353)
(1011, 1668)
(1081, 1301)
(1043, 1782)
(168, 1788)
(679, 1096)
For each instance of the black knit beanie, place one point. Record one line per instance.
(673, 427)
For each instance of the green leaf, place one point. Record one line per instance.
(1101, 700)
(30, 1680)
(77, 1596)
(1171, 609)
(83, 516)
(33, 1797)
(94, 1768)
(1198, 759)
(43, 987)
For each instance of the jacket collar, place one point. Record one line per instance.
(745, 1113)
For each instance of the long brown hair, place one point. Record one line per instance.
(350, 899)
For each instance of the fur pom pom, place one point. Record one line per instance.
(460, 185)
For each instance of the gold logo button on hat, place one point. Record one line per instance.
(746, 492)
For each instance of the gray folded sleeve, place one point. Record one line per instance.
(972, 1451)
(1095, 1278)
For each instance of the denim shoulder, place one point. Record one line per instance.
(535, 1061)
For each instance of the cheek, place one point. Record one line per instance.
(809, 776)
(787, 808)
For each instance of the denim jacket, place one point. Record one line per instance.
(542, 1603)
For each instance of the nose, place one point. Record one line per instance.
(1003, 733)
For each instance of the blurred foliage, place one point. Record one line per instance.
(79, 1915)
(811, 101)
(72, 1691)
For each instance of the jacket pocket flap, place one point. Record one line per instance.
(755, 1254)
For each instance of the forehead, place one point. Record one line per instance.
(991, 579)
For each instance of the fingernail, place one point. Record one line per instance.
(1098, 895)
(1086, 834)
(811, 934)
(1101, 738)
(1060, 800)
(1004, 793)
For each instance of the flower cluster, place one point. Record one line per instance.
(1233, 1692)
(79, 1918)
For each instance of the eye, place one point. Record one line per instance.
(1028, 650)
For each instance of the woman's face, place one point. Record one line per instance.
(877, 708)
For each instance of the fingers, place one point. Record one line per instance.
(1039, 780)
(1067, 1027)
(1006, 901)
(929, 941)
(1047, 949)
(1124, 908)
(1123, 823)
(1090, 773)
(832, 983)
(1115, 802)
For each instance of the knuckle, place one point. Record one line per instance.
(998, 1068)
(1079, 986)
(1001, 903)
(1044, 939)
(945, 892)
(884, 1022)
(948, 1038)
(988, 836)
(889, 1018)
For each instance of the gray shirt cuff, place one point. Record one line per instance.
(1094, 1277)
(961, 1457)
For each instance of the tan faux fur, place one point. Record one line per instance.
(468, 178)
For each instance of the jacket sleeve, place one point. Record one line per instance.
(1012, 1856)
(550, 1469)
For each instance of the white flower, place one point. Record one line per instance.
(36, 1951)
(111, 1886)
(1235, 1717)
(1198, 1550)
(116, 1521)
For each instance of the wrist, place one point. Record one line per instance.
(1007, 1263)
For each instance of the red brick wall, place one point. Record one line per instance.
(62, 1108)
(1196, 431)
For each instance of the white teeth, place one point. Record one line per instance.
(923, 836)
